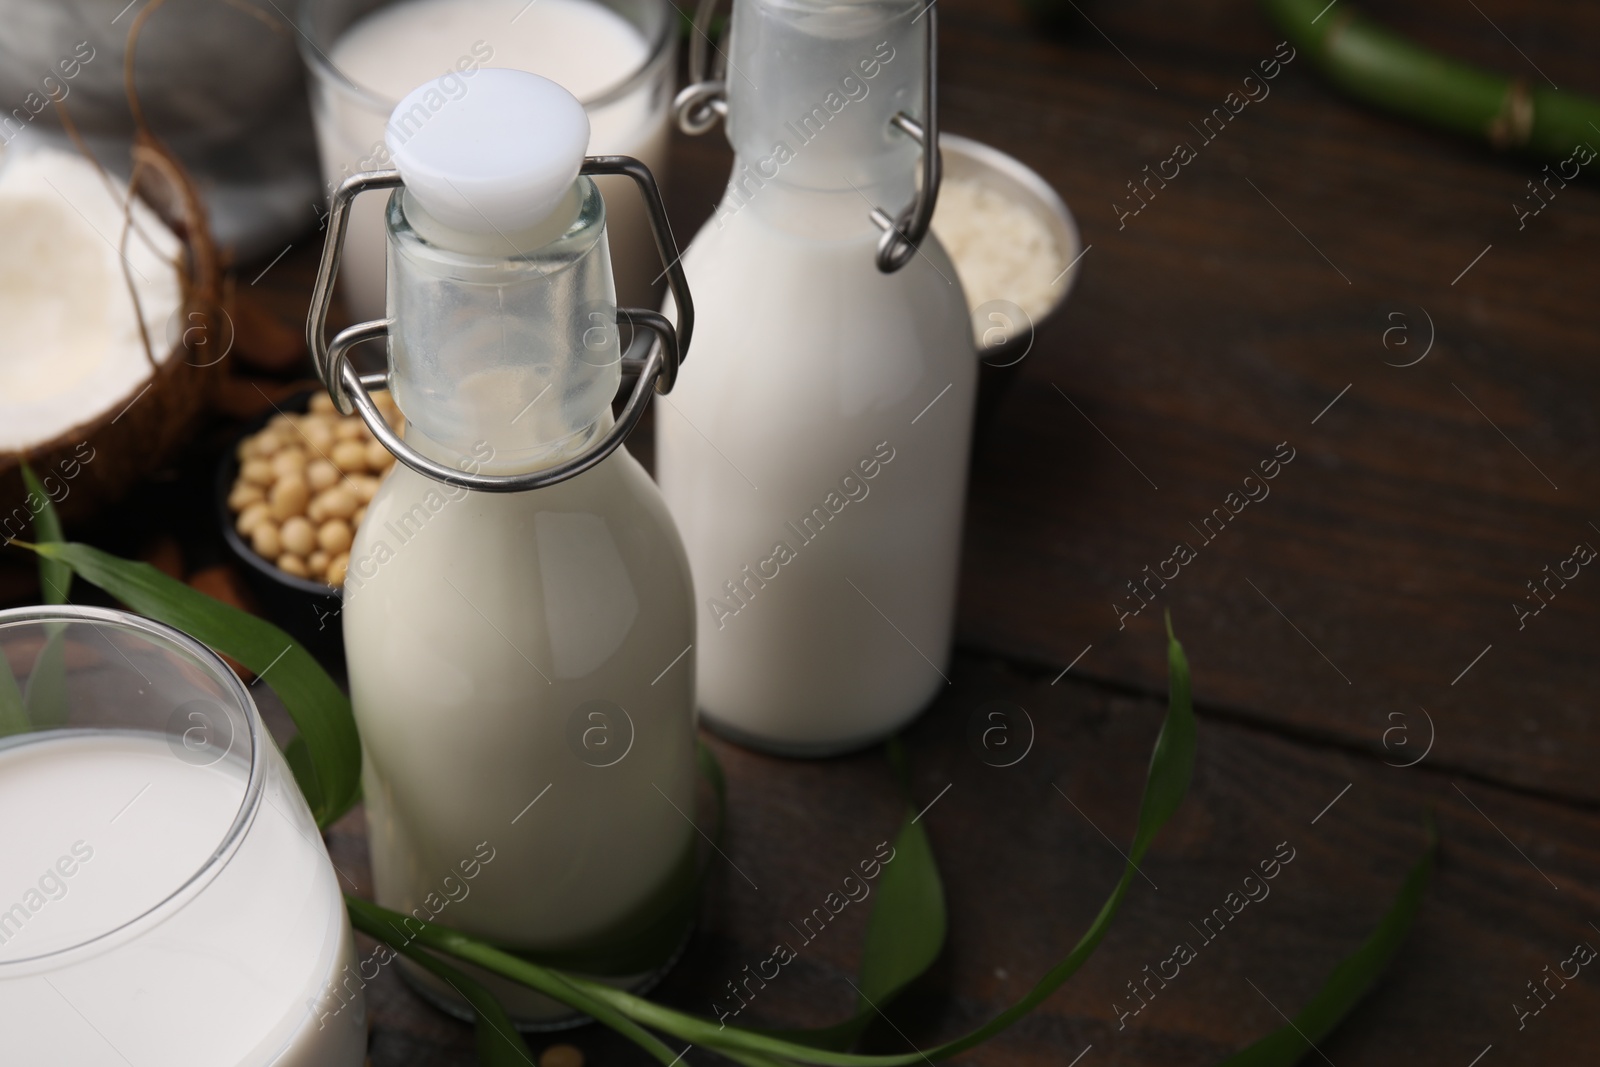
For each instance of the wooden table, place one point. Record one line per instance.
(1261, 297)
(1371, 591)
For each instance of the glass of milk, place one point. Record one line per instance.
(164, 894)
(616, 56)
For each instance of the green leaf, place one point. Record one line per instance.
(900, 946)
(404, 933)
(906, 930)
(331, 775)
(499, 1044)
(711, 771)
(45, 699)
(1351, 980)
(13, 714)
(44, 702)
(297, 754)
(1172, 762)
(1171, 768)
(55, 577)
(1166, 782)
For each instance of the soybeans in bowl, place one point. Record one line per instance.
(303, 485)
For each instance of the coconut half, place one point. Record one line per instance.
(71, 350)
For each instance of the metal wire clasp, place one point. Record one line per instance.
(663, 344)
(699, 105)
(903, 235)
(704, 100)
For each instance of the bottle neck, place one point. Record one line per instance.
(482, 457)
(503, 351)
(815, 139)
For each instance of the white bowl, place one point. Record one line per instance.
(964, 158)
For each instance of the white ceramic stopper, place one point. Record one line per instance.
(490, 153)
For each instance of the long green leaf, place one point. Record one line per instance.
(499, 1043)
(55, 577)
(1351, 980)
(1170, 772)
(404, 934)
(711, 771)
(44, 702)
(13, 713)
(905, 929)
(1166, 782)
(45, 698)
(317, 706)
(1172, 761)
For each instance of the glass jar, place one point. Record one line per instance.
(165, 896)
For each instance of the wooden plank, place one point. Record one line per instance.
(1026, 868)
(1211, 327)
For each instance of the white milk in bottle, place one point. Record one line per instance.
(815, 453)
(520, 663)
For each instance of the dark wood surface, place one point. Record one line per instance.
(1202, 333)
(1208, 330)
(1025, 872)
(1221, 320)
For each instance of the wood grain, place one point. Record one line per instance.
(1208, 330)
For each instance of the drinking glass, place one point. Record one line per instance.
(165, 896)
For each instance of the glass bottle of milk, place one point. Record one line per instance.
(520, 662)
(815, 454)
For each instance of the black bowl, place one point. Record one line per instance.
(306, 609)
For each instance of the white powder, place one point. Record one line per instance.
(1001, 249)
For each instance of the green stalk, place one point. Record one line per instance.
(1376, 65)
(326, 755)
(751, 1059)
(13, 713)
(619, 1010)
(45, 699)
(498, 1040)
(1171, 766)
(383, 924)
(1353, 979)
(55, 577)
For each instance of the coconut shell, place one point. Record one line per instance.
(99, 462)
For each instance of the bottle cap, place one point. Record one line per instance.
(490, 153)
